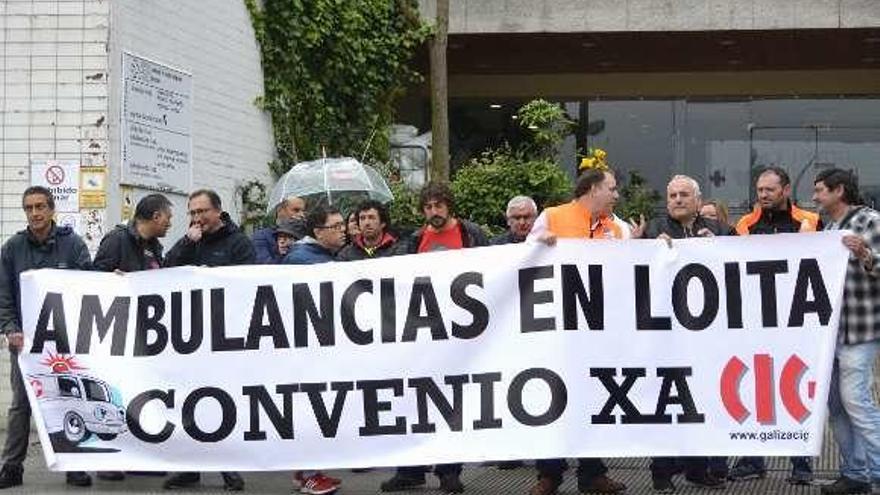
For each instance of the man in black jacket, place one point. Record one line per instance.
(212, 239)
(373, 239)
(135, 247)
(683, 220)
(42, 245)
(521, 214)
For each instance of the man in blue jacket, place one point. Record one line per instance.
(326, 236)
(291, 212)
(42, 245)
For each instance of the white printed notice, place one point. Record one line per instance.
(586, 349)
(156, 124)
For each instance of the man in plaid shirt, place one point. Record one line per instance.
(855, 417)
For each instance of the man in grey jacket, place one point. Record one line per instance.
(42, 245)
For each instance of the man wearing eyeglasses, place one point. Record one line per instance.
(212, 239)
(43, 244)
(521, 213)
(326, 236)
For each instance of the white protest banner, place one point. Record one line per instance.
(587, 349)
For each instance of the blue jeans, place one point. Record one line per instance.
(855, 418)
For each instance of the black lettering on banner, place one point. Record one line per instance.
(478, 310)
(389, 310)
(809, 276)
(617, 394)
(219, 341)
(266, 304)
(347, 314)
(260, 399)
(573, 293)
(133, 415)
(150, 310)
(529, 298)
(488, 420)
(305, 311)
(228, 414)
(423, 292)
(328, 422)
(733, 292)
(644, 319)
(196, 322)
(90, 315)
(373, 406)
(680, 297)
(452, 413)
(53, 307)
(677, 377)
(767, 271)
(558, 397)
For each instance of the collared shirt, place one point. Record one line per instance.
(860, 314)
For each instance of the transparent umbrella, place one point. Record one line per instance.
(330, 177)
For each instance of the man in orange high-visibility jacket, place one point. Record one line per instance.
(775, 213)
(590, 215)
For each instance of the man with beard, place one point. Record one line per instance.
(521, 213)
(589, 216)
(775, 213)
(212, 239)
(373, 239)
(42, 245)
(443, 232)
(135, 247)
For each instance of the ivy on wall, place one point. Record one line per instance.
(332, 71)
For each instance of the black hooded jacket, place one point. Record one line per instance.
(124, 249)
(227, 246)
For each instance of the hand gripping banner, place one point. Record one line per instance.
(587, 349)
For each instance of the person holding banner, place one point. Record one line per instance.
(43, 244)
(132, 248)
(852, 411)
(212, 239)
(683, 220)
(443, 231)
(521, 213)
(775, 213)
(589, 216)
(135, 247)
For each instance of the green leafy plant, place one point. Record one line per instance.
(333, 70)
(483, 187)
(637, 198)
(548, 125)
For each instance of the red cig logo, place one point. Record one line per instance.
(765, 400)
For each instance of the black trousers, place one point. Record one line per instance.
(587, 470)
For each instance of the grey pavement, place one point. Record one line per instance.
(478, 479)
